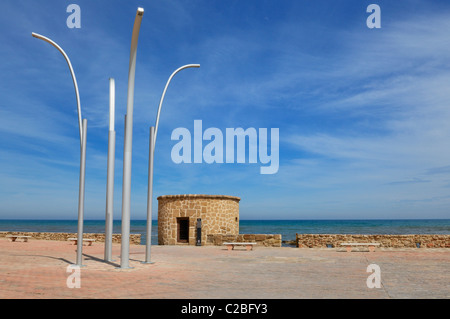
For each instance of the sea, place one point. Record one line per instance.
(287, 228)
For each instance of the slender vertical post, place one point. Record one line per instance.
(81, 196)
(150, 197)
(110, 174)
(126, 188)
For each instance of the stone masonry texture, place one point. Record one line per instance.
(219, 215)
(135, 239)
(393, 241)
(266, 240)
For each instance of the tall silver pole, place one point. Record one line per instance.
(83, 129)
(126, 188)
(150, 197)
(81, 197)
(110, 174)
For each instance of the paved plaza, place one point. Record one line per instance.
(39, 269)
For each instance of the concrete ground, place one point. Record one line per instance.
(39, 269)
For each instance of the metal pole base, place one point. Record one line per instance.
(124, 268)
(147, 262)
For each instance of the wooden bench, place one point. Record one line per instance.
(248, 246)
(14, 237)
(349, 246)
(89, 241)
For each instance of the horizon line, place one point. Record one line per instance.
(252, 219)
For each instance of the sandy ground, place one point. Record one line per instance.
(39, 270)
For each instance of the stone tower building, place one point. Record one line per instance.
(179, 217)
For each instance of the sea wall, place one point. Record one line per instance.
(267, 240)
(394, 241)
(135, 239)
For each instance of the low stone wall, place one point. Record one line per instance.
(135, 239)
(267, 240)
(394, 241)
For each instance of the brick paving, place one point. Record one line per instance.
(38, 269)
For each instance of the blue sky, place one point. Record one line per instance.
(362, 113)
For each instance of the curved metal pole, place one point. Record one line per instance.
(126, 188)
(153, 131)
(83, 132)
(38, 36)
(164, 93)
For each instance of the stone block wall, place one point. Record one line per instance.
(219, 214)
(267, 240)
(135, 239)
(394, 241)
